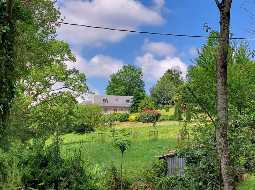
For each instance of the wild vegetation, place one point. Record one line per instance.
(50, 141)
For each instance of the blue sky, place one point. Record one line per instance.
(101, 53)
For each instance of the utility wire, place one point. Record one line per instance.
(146, 32)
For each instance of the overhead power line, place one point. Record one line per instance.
(146, 32)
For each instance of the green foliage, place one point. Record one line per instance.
(121, 143)
(146, 103)
(51, 116)
(128, 82)
(133, 117)
(247, 184)
(107, 120)
(40, 68)
(182, 110)
(202, 164)
(149, 116)
(156, 175)
(199, 96)
(44, 168)
(10, 13)
(173, 183)
(155, 172)
(86, 118)
(81, 128)
(165, 90)
(9, 173)
(202, 83)
(121, 117)
(139, 156)
(113, 179)
(3, 168)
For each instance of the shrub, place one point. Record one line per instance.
(113, 179)
(121, 117)
(86, 119)
(133, 117)
(4, 167)
(146, 103)
(202, 164)
(149, 116)
(107, 120)
(173, 183)
(83, 128)
(155, 172)
(44, 168)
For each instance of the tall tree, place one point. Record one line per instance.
(32, 60)
(202, 83)
(224, 7)
(7, 63)
(166, 88)
(128, 82)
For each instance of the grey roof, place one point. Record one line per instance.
(111, 100)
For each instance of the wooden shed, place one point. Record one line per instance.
(175, 164)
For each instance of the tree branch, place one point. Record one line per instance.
(9, 8)
(202, 106)
(219, 4)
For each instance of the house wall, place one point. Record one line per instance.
(115, 109)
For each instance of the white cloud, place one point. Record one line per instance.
(153, 68)
(159, 4)
(97, 66)
(128, 14)
(159, 48)
(158, 57)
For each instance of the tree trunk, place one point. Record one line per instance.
(222, 95)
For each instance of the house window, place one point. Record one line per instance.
(105, 100)
(127, 101)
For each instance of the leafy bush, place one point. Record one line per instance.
(4, 167)
(113, 179)
(155, 172)
(86, 118)
(173, 183)
(133, 117)
(83, 128)
(44, 168)
(121, 117)
(202, 164)
(146, 103)
(107, 120)
(9, 173)
(149, 116)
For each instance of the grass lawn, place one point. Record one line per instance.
(249, 184)
(98, 149)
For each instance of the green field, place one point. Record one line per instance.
(145, 147)
(249, 184)
(98, 148)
